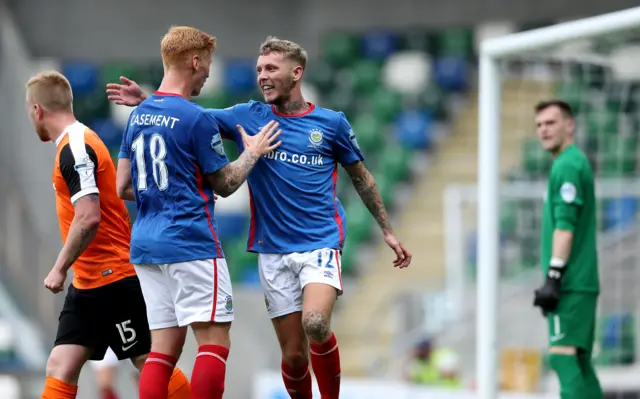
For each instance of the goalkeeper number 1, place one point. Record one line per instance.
(568, 298)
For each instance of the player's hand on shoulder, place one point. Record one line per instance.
(403, 256)
(54, 281)
(264, 142)
(128, 93)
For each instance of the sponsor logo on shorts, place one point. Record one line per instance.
(228, 303)
(328, 274)
(107, 272)
(556, 338)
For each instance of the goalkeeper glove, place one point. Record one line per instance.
(547, 297)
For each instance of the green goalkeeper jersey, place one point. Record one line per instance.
(570, 205)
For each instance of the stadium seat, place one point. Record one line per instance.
(365, 75)
(387, 189)
(414, 129)
(395, 163)
(407, 72)
(359, 222)
(386, 104)
(419, 40)
(378, 45)
(451, 73)
(82, 76)
(240, 76)
(455, 42)
(369, 132)
(340, 49)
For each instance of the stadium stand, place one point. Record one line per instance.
(411, 97)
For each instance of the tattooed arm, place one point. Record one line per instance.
(366, 187)
(228, 179)
(82, 231)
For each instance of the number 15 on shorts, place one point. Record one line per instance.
(127, 334)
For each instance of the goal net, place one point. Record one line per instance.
(599, 76)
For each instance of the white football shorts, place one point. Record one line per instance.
(284, 276)
(178, 294)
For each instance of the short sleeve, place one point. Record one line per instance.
(227, 122)
(567, 195)
(208, 146)
(346, 147)
(78, 168)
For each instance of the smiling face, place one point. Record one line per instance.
(277, 77)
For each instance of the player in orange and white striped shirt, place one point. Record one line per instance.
(104, 306)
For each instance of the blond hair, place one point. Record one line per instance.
(51, 90)
(287, 48)
(181, 42)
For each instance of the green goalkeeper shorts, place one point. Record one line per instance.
(573, 323)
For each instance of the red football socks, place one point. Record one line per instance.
(297, 381)
(207, 379)
(325, 359)
(155, 376)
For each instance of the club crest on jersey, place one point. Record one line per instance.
(315, 137)
(216, 144)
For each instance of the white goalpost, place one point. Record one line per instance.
(492, 52)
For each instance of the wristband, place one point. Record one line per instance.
(556, 269)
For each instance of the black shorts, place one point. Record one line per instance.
(113, 316)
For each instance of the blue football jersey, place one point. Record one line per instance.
(294, 207)
(172, 143)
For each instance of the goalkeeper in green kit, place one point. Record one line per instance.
(569, 255)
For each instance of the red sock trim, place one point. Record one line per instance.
(295, 374)
(219, 352)
(161, 358)
(326, 348)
